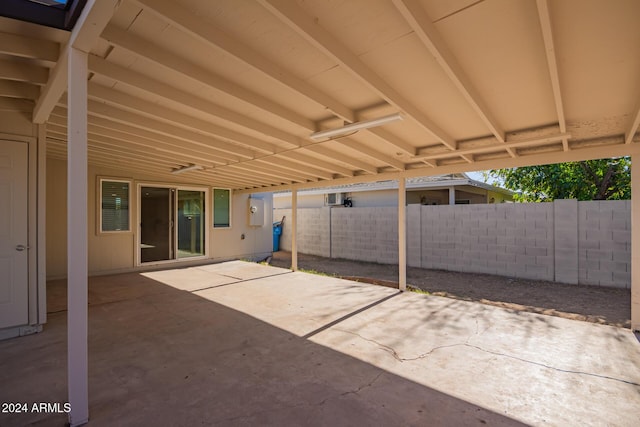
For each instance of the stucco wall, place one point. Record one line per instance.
(565, 241)
(117, 252)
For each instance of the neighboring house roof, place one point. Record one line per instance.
(419, 183)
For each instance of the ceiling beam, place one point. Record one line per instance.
(390, 138)
(465, 153)
(94, 17)
(207, 33)
(633, 128)
(111, 146)
(191, 24)
(136, 144)
(575, 154)
(384, 158)
(170, 129)
(102, 157)
(12, 89)
(142, 136)
(167, 92)
(267, 172)
(274, 172)
(27, 47)
(23, 72)
(303, 24)
(140, 47)
(314, 161)
(552, 63)
(13, 104)
(423, 27)
(109, 156)
(130, 42)
(260, 176)
(109, 112)
(296, 167)
(139, 105)
(333, 155)
(179, 119)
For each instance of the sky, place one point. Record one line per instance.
(478, 177)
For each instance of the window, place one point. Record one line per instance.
(221, 208)
(114, 200)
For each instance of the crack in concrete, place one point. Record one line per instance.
(567, 371)
(401, 359)
(362, 387)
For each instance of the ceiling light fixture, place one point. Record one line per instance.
(184, 169)
(354, 127)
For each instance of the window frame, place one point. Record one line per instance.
(213, 209)
(99, 229)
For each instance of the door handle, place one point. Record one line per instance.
(21, 248)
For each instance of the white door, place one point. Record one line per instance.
(14, 292)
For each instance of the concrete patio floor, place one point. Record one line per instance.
(238, 343)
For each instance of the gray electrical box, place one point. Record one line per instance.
(256, 212)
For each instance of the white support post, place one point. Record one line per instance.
(635, 241)
(42, 223)
(402, 234)
(294, 229)
(77, 235)
(452, 195)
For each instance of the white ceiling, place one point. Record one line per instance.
(237, 86)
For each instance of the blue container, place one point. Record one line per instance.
(277, 232)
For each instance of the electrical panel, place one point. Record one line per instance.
(256, 212)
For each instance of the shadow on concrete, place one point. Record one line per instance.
(163, 356)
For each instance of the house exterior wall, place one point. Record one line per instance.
(565, 241)
(359, 199)
(117, 252)
(304, 201)
(384, 198)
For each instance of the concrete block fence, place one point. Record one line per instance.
(565, 241)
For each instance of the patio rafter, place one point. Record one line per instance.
(124, 40)
(194, 26)
(157, 143)
(27, 47)
(297, 20)
(426, 31)
(552, 63)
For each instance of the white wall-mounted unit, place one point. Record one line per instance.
(334, 199)
(256, 212)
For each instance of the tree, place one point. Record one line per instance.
(602, 179)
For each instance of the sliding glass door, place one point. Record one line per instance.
(191, 223)
(156, 224)
(172, 223)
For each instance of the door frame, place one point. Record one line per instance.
(36, 228)
(138, 249)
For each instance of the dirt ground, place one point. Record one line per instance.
(595, 304)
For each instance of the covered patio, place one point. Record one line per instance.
(244, 98)
(239, 343)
